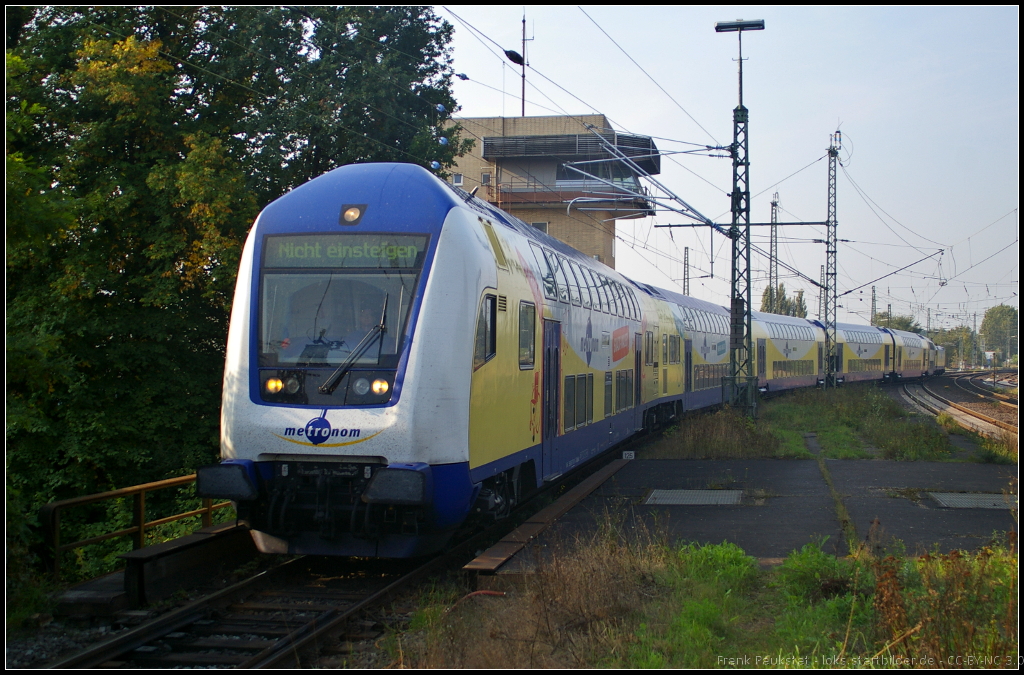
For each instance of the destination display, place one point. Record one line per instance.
(344, 250)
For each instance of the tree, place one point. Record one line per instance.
(958, 343)
(999, 330)
(898, 321)
(145, 141)
(782, 303)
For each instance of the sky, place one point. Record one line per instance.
(926, 100)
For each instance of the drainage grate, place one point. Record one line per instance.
(694, 497)
(963, 500)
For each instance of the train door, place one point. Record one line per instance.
(552, 378)
(638, 362)
(762, 368)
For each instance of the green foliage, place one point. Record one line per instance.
(775, 301)
(723, 434)
(999, 330)
(141, 143)
(897, 321)
(842, 417)
(958, 342)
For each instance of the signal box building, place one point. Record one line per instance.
(519, 165)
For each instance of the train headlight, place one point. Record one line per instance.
(361, 386)
(274, 385)
(291, 385)
(380, 386)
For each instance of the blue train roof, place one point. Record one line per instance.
(398, 198)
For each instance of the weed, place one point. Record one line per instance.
(1000, 450)
(721, 435)
(841, 417)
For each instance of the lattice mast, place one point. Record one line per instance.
(742, 382)
(686, 270)
(835, 143)
(773, 259)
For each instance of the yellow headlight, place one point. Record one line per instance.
(274, 385)
(352, 214)
(380, 387)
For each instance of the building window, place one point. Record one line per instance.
(457, 179)
(543, 227)
(485, 179)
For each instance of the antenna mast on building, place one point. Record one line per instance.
(520, 60)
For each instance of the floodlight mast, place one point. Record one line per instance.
(741, 385)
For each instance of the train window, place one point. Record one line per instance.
(664, 348)
(486, 342)
(649, 348)
(590, 397)
(620, 298)
(595, 300)
(581, 281)
(574, 291)
(634, 307)
(547, 276)
(608, 393)
(569, 408)
(563, 282)
(602, 296)
(581, 399)
(527, 335)
(613, 305)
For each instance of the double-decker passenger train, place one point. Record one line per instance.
(402, 355)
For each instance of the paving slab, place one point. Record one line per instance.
(888, 500)
(786, 504)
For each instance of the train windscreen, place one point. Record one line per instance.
(321, 297)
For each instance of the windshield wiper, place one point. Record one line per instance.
(380, 329)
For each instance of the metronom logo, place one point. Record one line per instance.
(318, 430)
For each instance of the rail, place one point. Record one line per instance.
(50, 516)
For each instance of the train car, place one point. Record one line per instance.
(909, 354)
(865, 353)
(403, 357)
(788, 351)
(402, 354)
(939, 360)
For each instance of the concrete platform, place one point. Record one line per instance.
(893, 494)
(787, 504)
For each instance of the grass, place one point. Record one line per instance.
(725, 434)
(1000, 450)
(844, 419)
(624, 599)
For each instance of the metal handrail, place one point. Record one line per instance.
(50, 516)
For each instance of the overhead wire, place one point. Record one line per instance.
(649, 76)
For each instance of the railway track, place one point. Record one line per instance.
(926, 397)
(263, 622)
(972, 384)
(280, 617)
